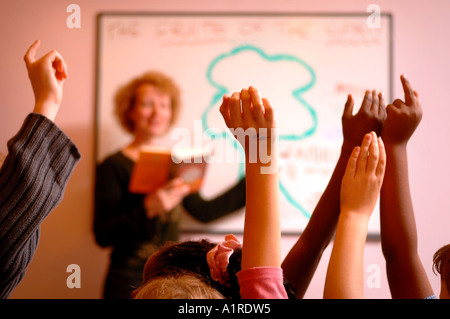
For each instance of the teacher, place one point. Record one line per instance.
(136, 225)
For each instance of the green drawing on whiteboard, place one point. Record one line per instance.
(296, 93)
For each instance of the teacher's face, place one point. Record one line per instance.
(152, 111)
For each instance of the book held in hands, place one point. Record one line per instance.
(157, 165)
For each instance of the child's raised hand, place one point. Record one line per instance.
(251, 120)
(247, 114)
(360, 188)
(47, 75)
(363, 177)
(403, 117)
(370, 117)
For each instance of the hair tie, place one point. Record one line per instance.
(218, 258)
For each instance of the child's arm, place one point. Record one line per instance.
(359, 192)
(40, 161)
(302, 260)
(406, 275)
(262, 235)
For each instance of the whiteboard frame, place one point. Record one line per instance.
(101, 15)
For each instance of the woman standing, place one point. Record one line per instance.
(135, 225)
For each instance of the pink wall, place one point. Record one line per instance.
(421, 46)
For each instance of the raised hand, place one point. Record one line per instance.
(248, 115)
(403, 117)
(251, 120)
(370, 117)
(302, 260)
(407, 277)
(47, 75)
(363, 176)
(359, 192)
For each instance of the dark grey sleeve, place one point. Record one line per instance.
(33, 177)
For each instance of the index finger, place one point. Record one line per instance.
(31, 53)
(408, 90)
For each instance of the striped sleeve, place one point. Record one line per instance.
(33, 177)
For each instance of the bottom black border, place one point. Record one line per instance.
(221, 308)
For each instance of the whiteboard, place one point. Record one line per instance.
(306, 64)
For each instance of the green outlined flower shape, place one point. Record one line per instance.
(297, 93)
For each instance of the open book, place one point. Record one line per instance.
(157, 165)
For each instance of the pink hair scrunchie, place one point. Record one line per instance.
(218, 258)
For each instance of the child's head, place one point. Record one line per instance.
(184, 267)
(175, 260)
(185, 285)
(441, 265)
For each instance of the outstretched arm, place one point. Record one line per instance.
(359, 192)
(40, 161)
(302, 260)
(251, 120)
(406, 275)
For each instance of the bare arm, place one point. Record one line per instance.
(406, 275)
(262, 234)
(359, 192)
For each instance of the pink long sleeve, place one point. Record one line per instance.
(262, 283)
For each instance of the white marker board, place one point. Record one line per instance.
(306, 64)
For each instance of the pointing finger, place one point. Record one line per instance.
(30, 56)
(408, 90)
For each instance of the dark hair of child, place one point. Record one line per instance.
(190, 256)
